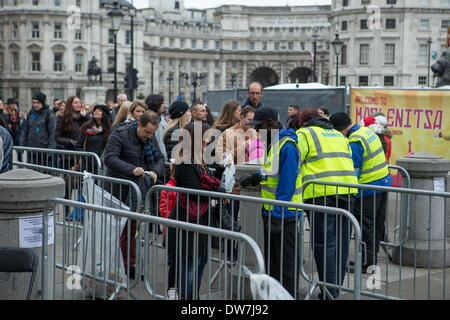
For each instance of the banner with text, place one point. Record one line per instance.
(419, 119)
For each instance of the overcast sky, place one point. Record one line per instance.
(200, 4)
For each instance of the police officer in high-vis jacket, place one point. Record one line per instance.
(279, 180)
(371, 168)
(326, 156)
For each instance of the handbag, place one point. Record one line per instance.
(223, 220)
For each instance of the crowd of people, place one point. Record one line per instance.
(135, 139)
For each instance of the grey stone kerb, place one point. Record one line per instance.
(24, 190)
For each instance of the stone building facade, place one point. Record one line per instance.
(46, 45)
(389, 42)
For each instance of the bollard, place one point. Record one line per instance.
(427, 240)
(23, 195)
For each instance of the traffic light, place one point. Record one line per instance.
(127, 81)
(134, 79)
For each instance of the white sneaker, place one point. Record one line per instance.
(172, 294)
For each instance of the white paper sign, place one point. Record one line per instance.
(30, 231)
(439, 184)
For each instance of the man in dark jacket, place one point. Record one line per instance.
(39, 128)
(6, 150)
(255, 94)
(132, 153)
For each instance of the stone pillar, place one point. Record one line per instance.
(426, 220)
(94, 95)
(24, 193)
(252, 225)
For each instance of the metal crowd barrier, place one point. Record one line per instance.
(108, 191)
(56, 158)
(411, 263)
(155, 245)
(100, 273)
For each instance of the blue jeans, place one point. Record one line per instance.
(330, 236)
(186, 289)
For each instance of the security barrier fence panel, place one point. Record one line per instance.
(415, 258)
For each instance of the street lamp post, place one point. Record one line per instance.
(315, 35)
(152, 62)
(132, 12)
(170, 79)
(337, 47)
(429, 41)
(116, 15)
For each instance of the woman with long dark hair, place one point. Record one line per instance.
(68, 127)
(94, 135)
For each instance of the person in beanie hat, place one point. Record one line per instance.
(279, 180)
(180, 115)
(39, 128)
(94, 135)
(371, 169)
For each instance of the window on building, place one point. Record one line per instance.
(391, 1)
(35, 2)
(342, 81)
(15, 93)
(170, 62)
(193, 43)
(57, 3)
(216, 81)
(217, 64)
(161, 62)
(264, 45)
(276, 46)
(111, 36)
(344, 25)
(290, 45)
(193, 63)
(171, 41)
(78, 34)
(365, 2)
(78, 3)
(205, 63)
(57, 31)
(217, 45)
(252, 45)
(235, 45)
(302, 46)
(128, 37)
(15, 31)
(110, 67)
(35, 30)
(58, 62)
(424, 2)
(363, 54)
(389, 53)
(343, 59)
(363, 24)
(177, 5)
(424, 24)
(445, 24)
(446, 2)
(15, 61)
(233, 64)
(205, 44)
(422, 81)
(58, 93)
(35, 61)
(79, 62)
(423, 54)
(390, 23)
(388, 81)
(181, 43)
(345, 3)
(363, 81)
